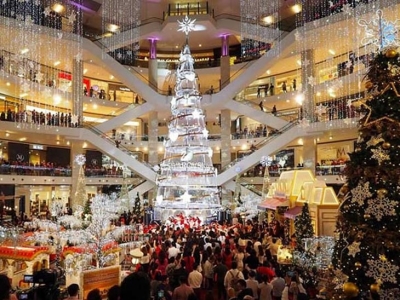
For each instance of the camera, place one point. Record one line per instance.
(45, 285)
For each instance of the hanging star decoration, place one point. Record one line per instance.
(186, 25)
(39, 76)
(349, 103)
(381, 207)
(375, 141)
(380, 32)
(380, 155)
(354, 248)
(71, 18)
(47, 11)
(320, 109)
(347, 9)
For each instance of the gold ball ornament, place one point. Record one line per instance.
(357, 149)
(375, 288)
(350, 289)
(386, 145)
(357, 264)
(391, 53)
(382, 192)
(368, 85)
(331, 267)
(367, 216)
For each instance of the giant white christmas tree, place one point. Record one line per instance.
(187, 179)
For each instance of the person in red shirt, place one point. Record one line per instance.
(227, 257)
(266, 269)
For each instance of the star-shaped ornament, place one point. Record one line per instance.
(39, 76)
(205, 133)
(349, 103)
(47, 11)
(119, 55)
(380, 155)
(375, 140)
(354, 248)
(71, 18)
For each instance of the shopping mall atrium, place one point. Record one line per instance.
(189, 113)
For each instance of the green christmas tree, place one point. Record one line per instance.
(87, 212)
(367, 251)
(137, 209)
(303, 226)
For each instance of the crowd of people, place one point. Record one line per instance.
(212, 262)
(40, 118)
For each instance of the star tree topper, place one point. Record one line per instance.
(186, 25)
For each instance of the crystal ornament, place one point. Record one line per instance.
(186, 181)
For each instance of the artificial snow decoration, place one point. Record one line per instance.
(382, 270)
(360, 193)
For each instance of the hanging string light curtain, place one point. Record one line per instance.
(259, 27)
(41, 78)
(331, 29)
(121, 29)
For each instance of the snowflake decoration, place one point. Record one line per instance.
(340, 278)
(360, 193)
(375, 141)
(80, 159)
(382, 270)
(380, 155)
(78, 57)
(392, 294)
(305, 63)
(320, 109)
(186, 25)
(304, 123)
(29, 21)
(312, 80)
(381, 207)
(380, 32)
(119, 55)
(25, 87)
(347, 9)
(266, 160)
(349, 64)
(74, 119)
(354, 248)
